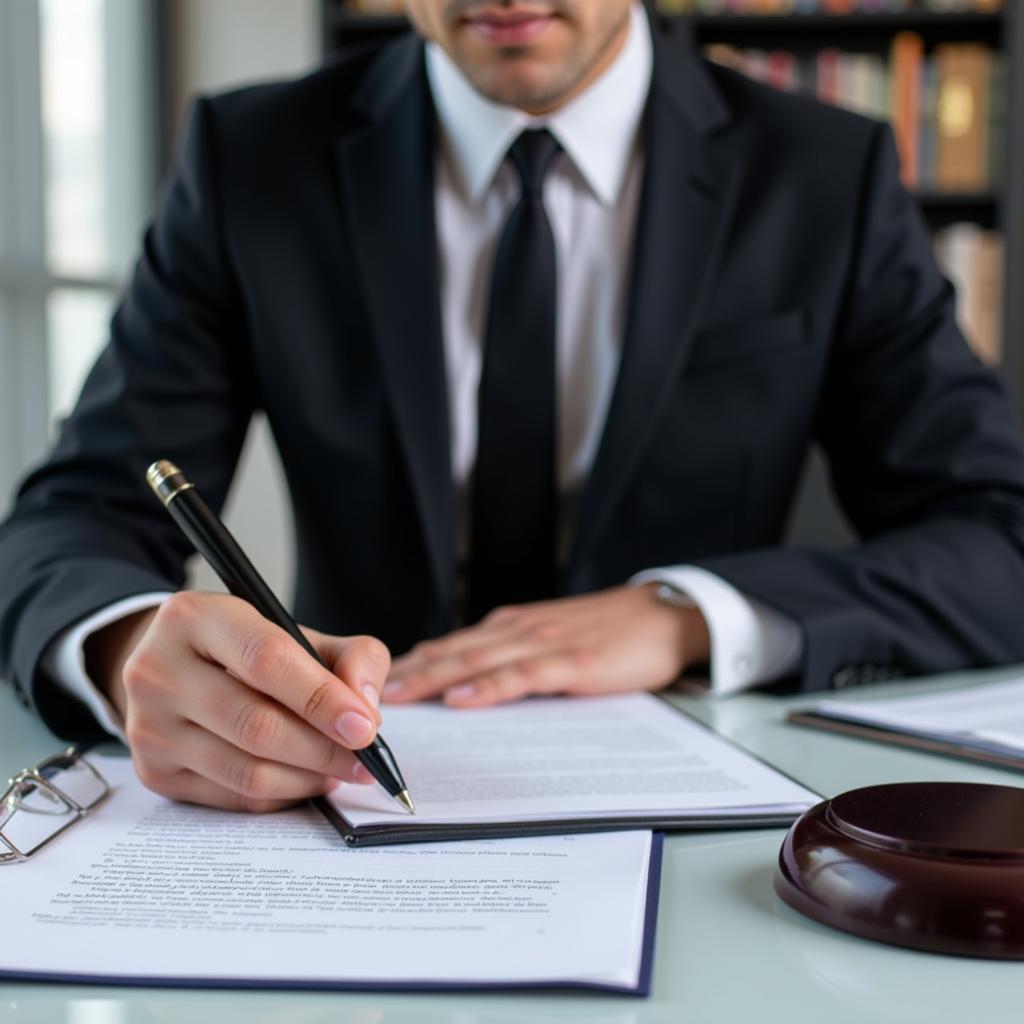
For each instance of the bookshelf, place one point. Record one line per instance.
(999, 205)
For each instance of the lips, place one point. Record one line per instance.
(509, 27)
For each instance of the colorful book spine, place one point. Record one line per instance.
(928, 129)
(906, 61)
(828, 68)
(962, 113)
(781, 70)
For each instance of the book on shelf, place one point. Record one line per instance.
(906, 71)
(973, 259)
(836, 8)
(946, 108)
(964, 72)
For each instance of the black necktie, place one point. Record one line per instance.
(513, 526)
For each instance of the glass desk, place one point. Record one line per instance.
(727, 949)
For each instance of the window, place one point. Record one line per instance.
(77, 174)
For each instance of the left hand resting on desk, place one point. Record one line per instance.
(609, 642)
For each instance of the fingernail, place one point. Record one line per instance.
(393, 689)
(371, 694)
(362, 775)
(462, 692)
(355, 729)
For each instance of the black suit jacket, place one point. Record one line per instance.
(783, 292)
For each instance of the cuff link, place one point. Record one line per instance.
(668, 594)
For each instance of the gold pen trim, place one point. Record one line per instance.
(160, 477)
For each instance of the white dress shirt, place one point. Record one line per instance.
(591, 194)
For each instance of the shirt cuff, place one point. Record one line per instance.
(64, 659)
(750, 642)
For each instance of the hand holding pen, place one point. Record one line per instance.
(223, 706)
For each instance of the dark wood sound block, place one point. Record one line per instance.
(937, 866)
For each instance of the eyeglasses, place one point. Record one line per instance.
(41, 803)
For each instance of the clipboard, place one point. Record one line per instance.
(976, 751)
(362, 828)
(153, 933)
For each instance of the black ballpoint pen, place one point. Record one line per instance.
(215, 543)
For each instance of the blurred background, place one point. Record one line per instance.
(92, 93)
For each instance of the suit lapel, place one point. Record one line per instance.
(386, 173)
(687, 199)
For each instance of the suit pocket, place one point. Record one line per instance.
(733, 343)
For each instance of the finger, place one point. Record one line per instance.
(545, 675)
(232, 633)
(464, 666)
(500, 624)
(362, 662)
(220, 704)
(254, 778)
(188, 787)
(507, 633)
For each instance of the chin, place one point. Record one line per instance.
(523, 86)
(518, 95)
(522, 76)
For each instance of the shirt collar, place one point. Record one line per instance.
(597, 130)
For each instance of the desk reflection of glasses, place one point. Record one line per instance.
(41, 803)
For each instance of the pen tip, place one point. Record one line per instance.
(406, 801)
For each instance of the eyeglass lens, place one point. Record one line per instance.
(31, 814)
(74, 779)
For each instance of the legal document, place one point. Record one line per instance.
(983, 722)
(146, 891)
(548, 764)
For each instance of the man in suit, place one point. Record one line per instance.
(544, 316)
